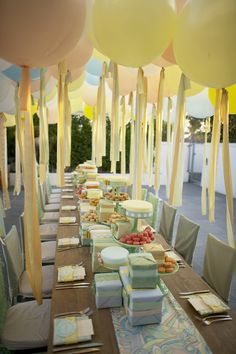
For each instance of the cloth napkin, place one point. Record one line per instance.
(67, 190)
(207, 303)
(70, 273)
(66, 196)
(68, 207)
(67, 219)
(68, 241)
(72, 329)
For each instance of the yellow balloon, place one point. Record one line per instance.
(172, 79)
(76, 84)
(232, 98)
(133, 32)
(204, 43)
(88, 111)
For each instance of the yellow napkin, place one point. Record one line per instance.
(68, 241)
(72, 329)
(207, 303)
(67, 219)
(68, 207)
(67, 196)
(70, 273)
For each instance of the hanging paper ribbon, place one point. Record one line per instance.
(94, 124)
(151, 145)
(204, 175)
(213, 157)
(42, 127)
(169, 145)
(62, 70)
(123, 135)
(159, 118)
(17, 185)
(131, 153)
(138, 158)
(3, 167)
(115, 119)
(19, 125)
(144, 126)
(103, 108)
(31, 221)
(67, 120)
(176, 184)
(99, 129)
(227, 168)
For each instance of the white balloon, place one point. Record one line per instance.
(199, 106)
(49, 87)
(6, 86)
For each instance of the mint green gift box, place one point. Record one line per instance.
(142, 271)
(108, 290)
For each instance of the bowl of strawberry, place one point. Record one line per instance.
(139, 238)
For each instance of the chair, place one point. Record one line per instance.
(47, 207)
(48, 248)
(167, 222)
(46, 217)
(144, 193)
(2, 227)
(152, 221)
(18, 277)
(52, 195)
(186, 238)
(218, 266)
(24, 325)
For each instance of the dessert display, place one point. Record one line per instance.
(91, 185)
(157, 251)
(116, 217)
(90, 216)
(94, 202)
(114, 256)
(116, 197)
(94, 193)
(138, 208)
(168, 266)
(139, 238)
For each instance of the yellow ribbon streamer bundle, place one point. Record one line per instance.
(17, 184)
(31, 221)
(62, 70)
(123, 135)
(213, 158)
(42, 127)
(169, 145)
(131, 156)
(176, 184)
(151, 145)
(3, 168)
(227, 169)
(67, 120)
(204, 175)
(159, 118)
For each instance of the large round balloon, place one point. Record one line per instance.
(199, 106)
(89, 94)
(94, 67)
(232, 98)
(92, 79)
(39, 33)
(152, 88)
(204, 43)
(133, 32)
(80, 54)
(169, 54)
(161, 62)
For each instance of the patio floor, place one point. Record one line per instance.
(191, 208)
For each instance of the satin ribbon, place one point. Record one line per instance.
(3, 162)
(17, 184)
(61, 128)
(204, 175)
(159, 118)
(67, 120)
(169, 145)
(31, 221)
(131, 156)
(151, 145)
(227, 169)
(42, 127)
(123, 135)
(176, 184)
(214, 157)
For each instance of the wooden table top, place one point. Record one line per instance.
(221, 336)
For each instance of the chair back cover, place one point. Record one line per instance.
(186, 238)
(2, 210)
(15, 263)
(152, 221)
(2, 227)
(167, 222)
(218, 266)
(4, 294)
(144, 193)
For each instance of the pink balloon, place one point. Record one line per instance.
(127, 80)
(89, 94)
(40, 33)
(80, 54)
(163, 63)
(179, 5)
(153, 82)
(168, 54)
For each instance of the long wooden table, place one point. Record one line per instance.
(221, 336)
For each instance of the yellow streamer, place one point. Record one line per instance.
(151, 145)
(131, 156)
(94, 134)
(213, 158)
(123, 135)
(62, 70)
(31, 221)
(3, 168)
(227, 168)
(17, 184)
(159, 118)
(42, 128)
(204, 176)
(115, 120)
(67, 120)
(169, 141)
(176, 184)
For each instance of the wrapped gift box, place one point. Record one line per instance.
(108, 290)
(142, 270)
(143, 306)
(97, 246)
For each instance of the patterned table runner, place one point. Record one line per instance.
(176, 334)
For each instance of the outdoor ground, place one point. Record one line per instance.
(191, 208)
